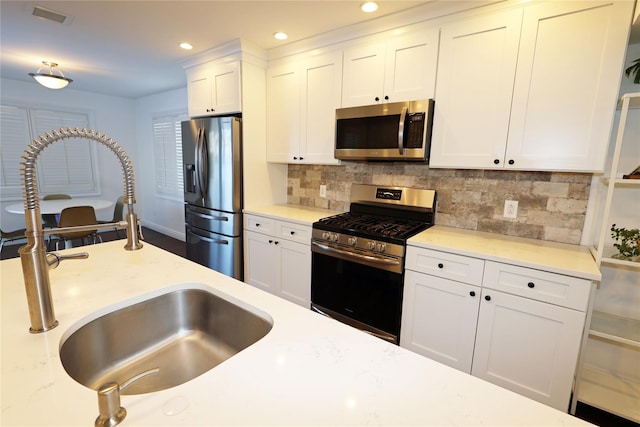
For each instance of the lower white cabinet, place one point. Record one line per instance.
(527, 346)
(439, 318)
(520, 329)
(276, 260)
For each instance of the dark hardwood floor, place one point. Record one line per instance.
(585, 412)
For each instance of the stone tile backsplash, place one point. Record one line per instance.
(551, 205)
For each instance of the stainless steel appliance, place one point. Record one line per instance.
(212, 156)
(393, 131)
(357, 268)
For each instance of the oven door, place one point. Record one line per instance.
(360, 295)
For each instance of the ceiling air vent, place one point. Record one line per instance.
(51, 15)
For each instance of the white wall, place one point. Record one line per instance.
(158, 213)
(113, 116)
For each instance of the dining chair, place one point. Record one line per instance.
(118, 212)
(50, 220)
(77, 215)
(9, 236)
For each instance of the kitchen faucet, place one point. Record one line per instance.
(36, 262)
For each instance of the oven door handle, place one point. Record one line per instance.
(365, 258)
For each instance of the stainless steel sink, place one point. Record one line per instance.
(184, 333)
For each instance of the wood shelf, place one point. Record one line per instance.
(618, 329)
(610, 393)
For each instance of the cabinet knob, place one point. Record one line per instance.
(511, 161)
(440, 265)
(496, 162)
(257, 224)
(377, 99)
(301, 158)
(276, 242)
(295, 158)
(472, 293)
(270, 241)
(292, 232)
(531, 285)
(487, 297)
(386, 97)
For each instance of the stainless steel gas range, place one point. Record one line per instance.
(357, 268)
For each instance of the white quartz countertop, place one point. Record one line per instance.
(308, 370)
(298, 214)
(561, 258)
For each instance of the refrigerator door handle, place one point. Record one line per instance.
(209, 240)
(215, 218)
(204, 164)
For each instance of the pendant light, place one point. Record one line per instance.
(51, 80)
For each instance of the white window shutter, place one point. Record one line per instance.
(167, 152)
(14, 137)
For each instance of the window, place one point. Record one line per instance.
(68, 166)
(167, 152)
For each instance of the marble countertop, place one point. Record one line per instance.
(561, 258)
(298, 214)
(308, 370)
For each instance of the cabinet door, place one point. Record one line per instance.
(410, 66)
(283, 113)
(261, 259)
(295, 272)
(199, 89)
(569, 68)
(439, 319)
(363, 75)
(321, 95)
(476, 71)
(226, 88)
(528, 347)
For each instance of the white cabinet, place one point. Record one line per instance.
(302, 96)
(539, 97)
(516, 327)
(278, 258)
(214, 88)
(528, 347)
(401, 68)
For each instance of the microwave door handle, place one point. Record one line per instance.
(403, 116)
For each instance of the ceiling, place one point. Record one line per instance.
(130, 48)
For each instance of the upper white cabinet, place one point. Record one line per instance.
(214, 88)
(302, 97)
(401, 68)
(530, 89)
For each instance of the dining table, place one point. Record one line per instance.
(57, 205)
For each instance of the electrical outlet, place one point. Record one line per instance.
(510, 209)
(323, 190)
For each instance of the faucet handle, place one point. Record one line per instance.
(54, 259)
(110, 411)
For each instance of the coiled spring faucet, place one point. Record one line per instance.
(36, 262)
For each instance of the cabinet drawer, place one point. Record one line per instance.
(443, 264)
(294, 232)
(259, 224)
(565, 291)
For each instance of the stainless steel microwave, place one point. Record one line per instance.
(393, 131)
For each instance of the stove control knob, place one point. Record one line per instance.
(352, 241)
(325, 235)
(371, 245)
(335, 237)
(381, 247)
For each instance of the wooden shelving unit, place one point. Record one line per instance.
(605, 389)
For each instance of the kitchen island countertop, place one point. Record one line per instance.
(308, 370)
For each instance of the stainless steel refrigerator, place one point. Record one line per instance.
(212, 156)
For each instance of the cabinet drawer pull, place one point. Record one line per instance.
(531, 285)
(472, 293)
(488, 297)
(440, 265)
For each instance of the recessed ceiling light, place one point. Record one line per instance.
(280, 36)
(369, 6)
(186, 46)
